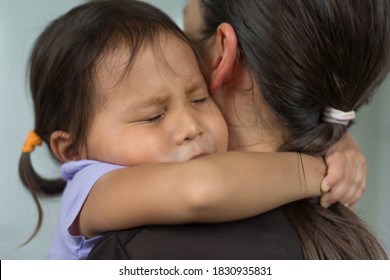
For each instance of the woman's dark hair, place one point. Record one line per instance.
(305, 56)
(62, 72)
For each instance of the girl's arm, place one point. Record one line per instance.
(216, 188)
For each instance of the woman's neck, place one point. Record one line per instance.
(252, 124)
(252, 139)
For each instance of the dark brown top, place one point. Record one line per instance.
(267, 236)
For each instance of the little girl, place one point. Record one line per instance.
(115, 84)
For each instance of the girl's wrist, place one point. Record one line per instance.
(312, 171)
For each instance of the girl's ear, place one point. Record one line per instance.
(223, 56)
(60, 146)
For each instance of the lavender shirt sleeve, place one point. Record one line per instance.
(80, 177)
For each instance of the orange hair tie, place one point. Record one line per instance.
(31, 142)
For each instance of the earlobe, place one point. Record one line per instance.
(224, 56)
(60, 142)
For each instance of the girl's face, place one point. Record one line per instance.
(159, 111)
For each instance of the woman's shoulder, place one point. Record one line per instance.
(266, 236)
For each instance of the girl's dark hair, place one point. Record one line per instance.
(62, 72)
(305, 56)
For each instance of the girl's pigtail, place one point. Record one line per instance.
(36, 184)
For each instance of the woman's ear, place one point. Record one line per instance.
(224, 56)
(60, 142)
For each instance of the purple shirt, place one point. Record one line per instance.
(80, 177)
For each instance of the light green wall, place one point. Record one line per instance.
(20, 23)
(372, 130)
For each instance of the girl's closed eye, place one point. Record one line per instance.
(154, 119)
(201, 102)
(203, 99)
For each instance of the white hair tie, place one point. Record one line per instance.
(332, 115)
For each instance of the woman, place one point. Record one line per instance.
(285, 82)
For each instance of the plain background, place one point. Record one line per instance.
(21, 21)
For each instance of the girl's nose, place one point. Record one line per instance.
(188, 127)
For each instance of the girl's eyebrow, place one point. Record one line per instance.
(193, 86)
(144, 102)
(157, 99)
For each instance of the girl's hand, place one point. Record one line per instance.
(345, 181)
